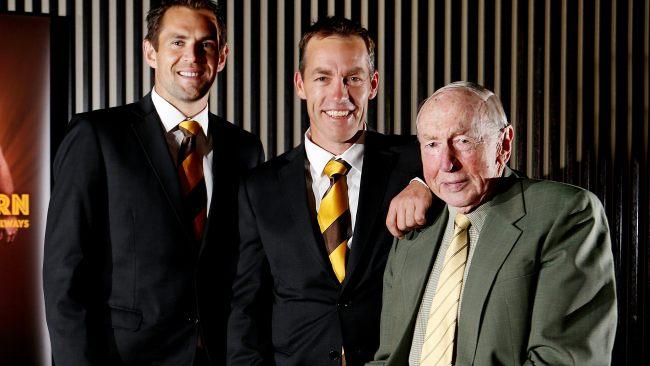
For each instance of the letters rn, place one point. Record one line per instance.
(17, 204)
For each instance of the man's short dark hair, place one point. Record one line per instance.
(337, 26)
(156, 14)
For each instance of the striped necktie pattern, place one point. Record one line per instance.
(440, 338)
(190, 172)
(334, 216)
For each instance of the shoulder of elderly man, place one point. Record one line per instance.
(565, 237)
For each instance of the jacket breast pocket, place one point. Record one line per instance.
(125, 318)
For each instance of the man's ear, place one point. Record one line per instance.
(223, 56)
(299, 84)
(374, 84)
(150, 53)
(505, 146)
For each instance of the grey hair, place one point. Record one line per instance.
(490, 116)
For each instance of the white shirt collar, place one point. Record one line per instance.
(318, 157)
(171, 116)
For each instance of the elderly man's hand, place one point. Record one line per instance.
(408, 209)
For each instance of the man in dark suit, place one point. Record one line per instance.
(513, 271)
(312, 221)
(142, 217)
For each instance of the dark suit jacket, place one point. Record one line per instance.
(540, 289)
(288, 306)
(124, 280)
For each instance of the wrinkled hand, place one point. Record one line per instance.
(408, 209)
(8, 233)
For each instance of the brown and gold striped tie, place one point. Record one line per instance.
(438, 347)
(190, 172)
(334, 216)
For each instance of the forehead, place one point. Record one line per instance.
(449, 113)
(179, 19)
(336, 52)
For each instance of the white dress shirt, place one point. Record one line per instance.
(318, 158)
(171, 117)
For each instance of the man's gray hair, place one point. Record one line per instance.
(490, 116)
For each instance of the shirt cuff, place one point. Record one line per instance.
(417, 179)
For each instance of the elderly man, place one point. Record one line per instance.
(513, 271)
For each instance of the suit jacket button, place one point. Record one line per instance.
(334, 355)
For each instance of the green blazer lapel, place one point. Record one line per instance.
(419, 261)
(413, 278)
(497, 238)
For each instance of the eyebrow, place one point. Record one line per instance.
(323, 71)
(453, 134)
(211, 37)
(320, 70)
(357, 70)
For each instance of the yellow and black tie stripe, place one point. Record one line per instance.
(190, 172)
(334, 216)
(439, 343)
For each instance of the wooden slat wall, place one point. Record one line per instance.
(572, 75)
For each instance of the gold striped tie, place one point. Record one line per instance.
(334, 216)
(438, 347)
(190, 172)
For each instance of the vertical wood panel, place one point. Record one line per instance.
(381, 67)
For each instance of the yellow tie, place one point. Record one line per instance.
(334, 216)
(438, 347)
(190, 172)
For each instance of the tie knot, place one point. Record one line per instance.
(461, 221)
(336, 167)
(192, 127)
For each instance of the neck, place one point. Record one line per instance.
(337, 148)
(190, 108)
(193, 108)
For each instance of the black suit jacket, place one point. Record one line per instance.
(124, 280)
(288, 306)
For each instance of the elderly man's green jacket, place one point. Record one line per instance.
(540, 289)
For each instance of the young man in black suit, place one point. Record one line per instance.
(142, 217)
(313, 237)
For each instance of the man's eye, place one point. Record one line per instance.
(177, 43)
(464, 144)
(321, 78)
(354, 79)
(208, 45)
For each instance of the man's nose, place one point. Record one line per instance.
(448, 161)
(193, 52)
(340, 89)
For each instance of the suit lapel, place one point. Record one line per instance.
(414, 278)
(498, 236)
(292, 179)
(222, 163)
(420, 259)
(149, 132)
(374, 180)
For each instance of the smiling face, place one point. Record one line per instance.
(337, 84)
(187, 59)
(461, 156)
